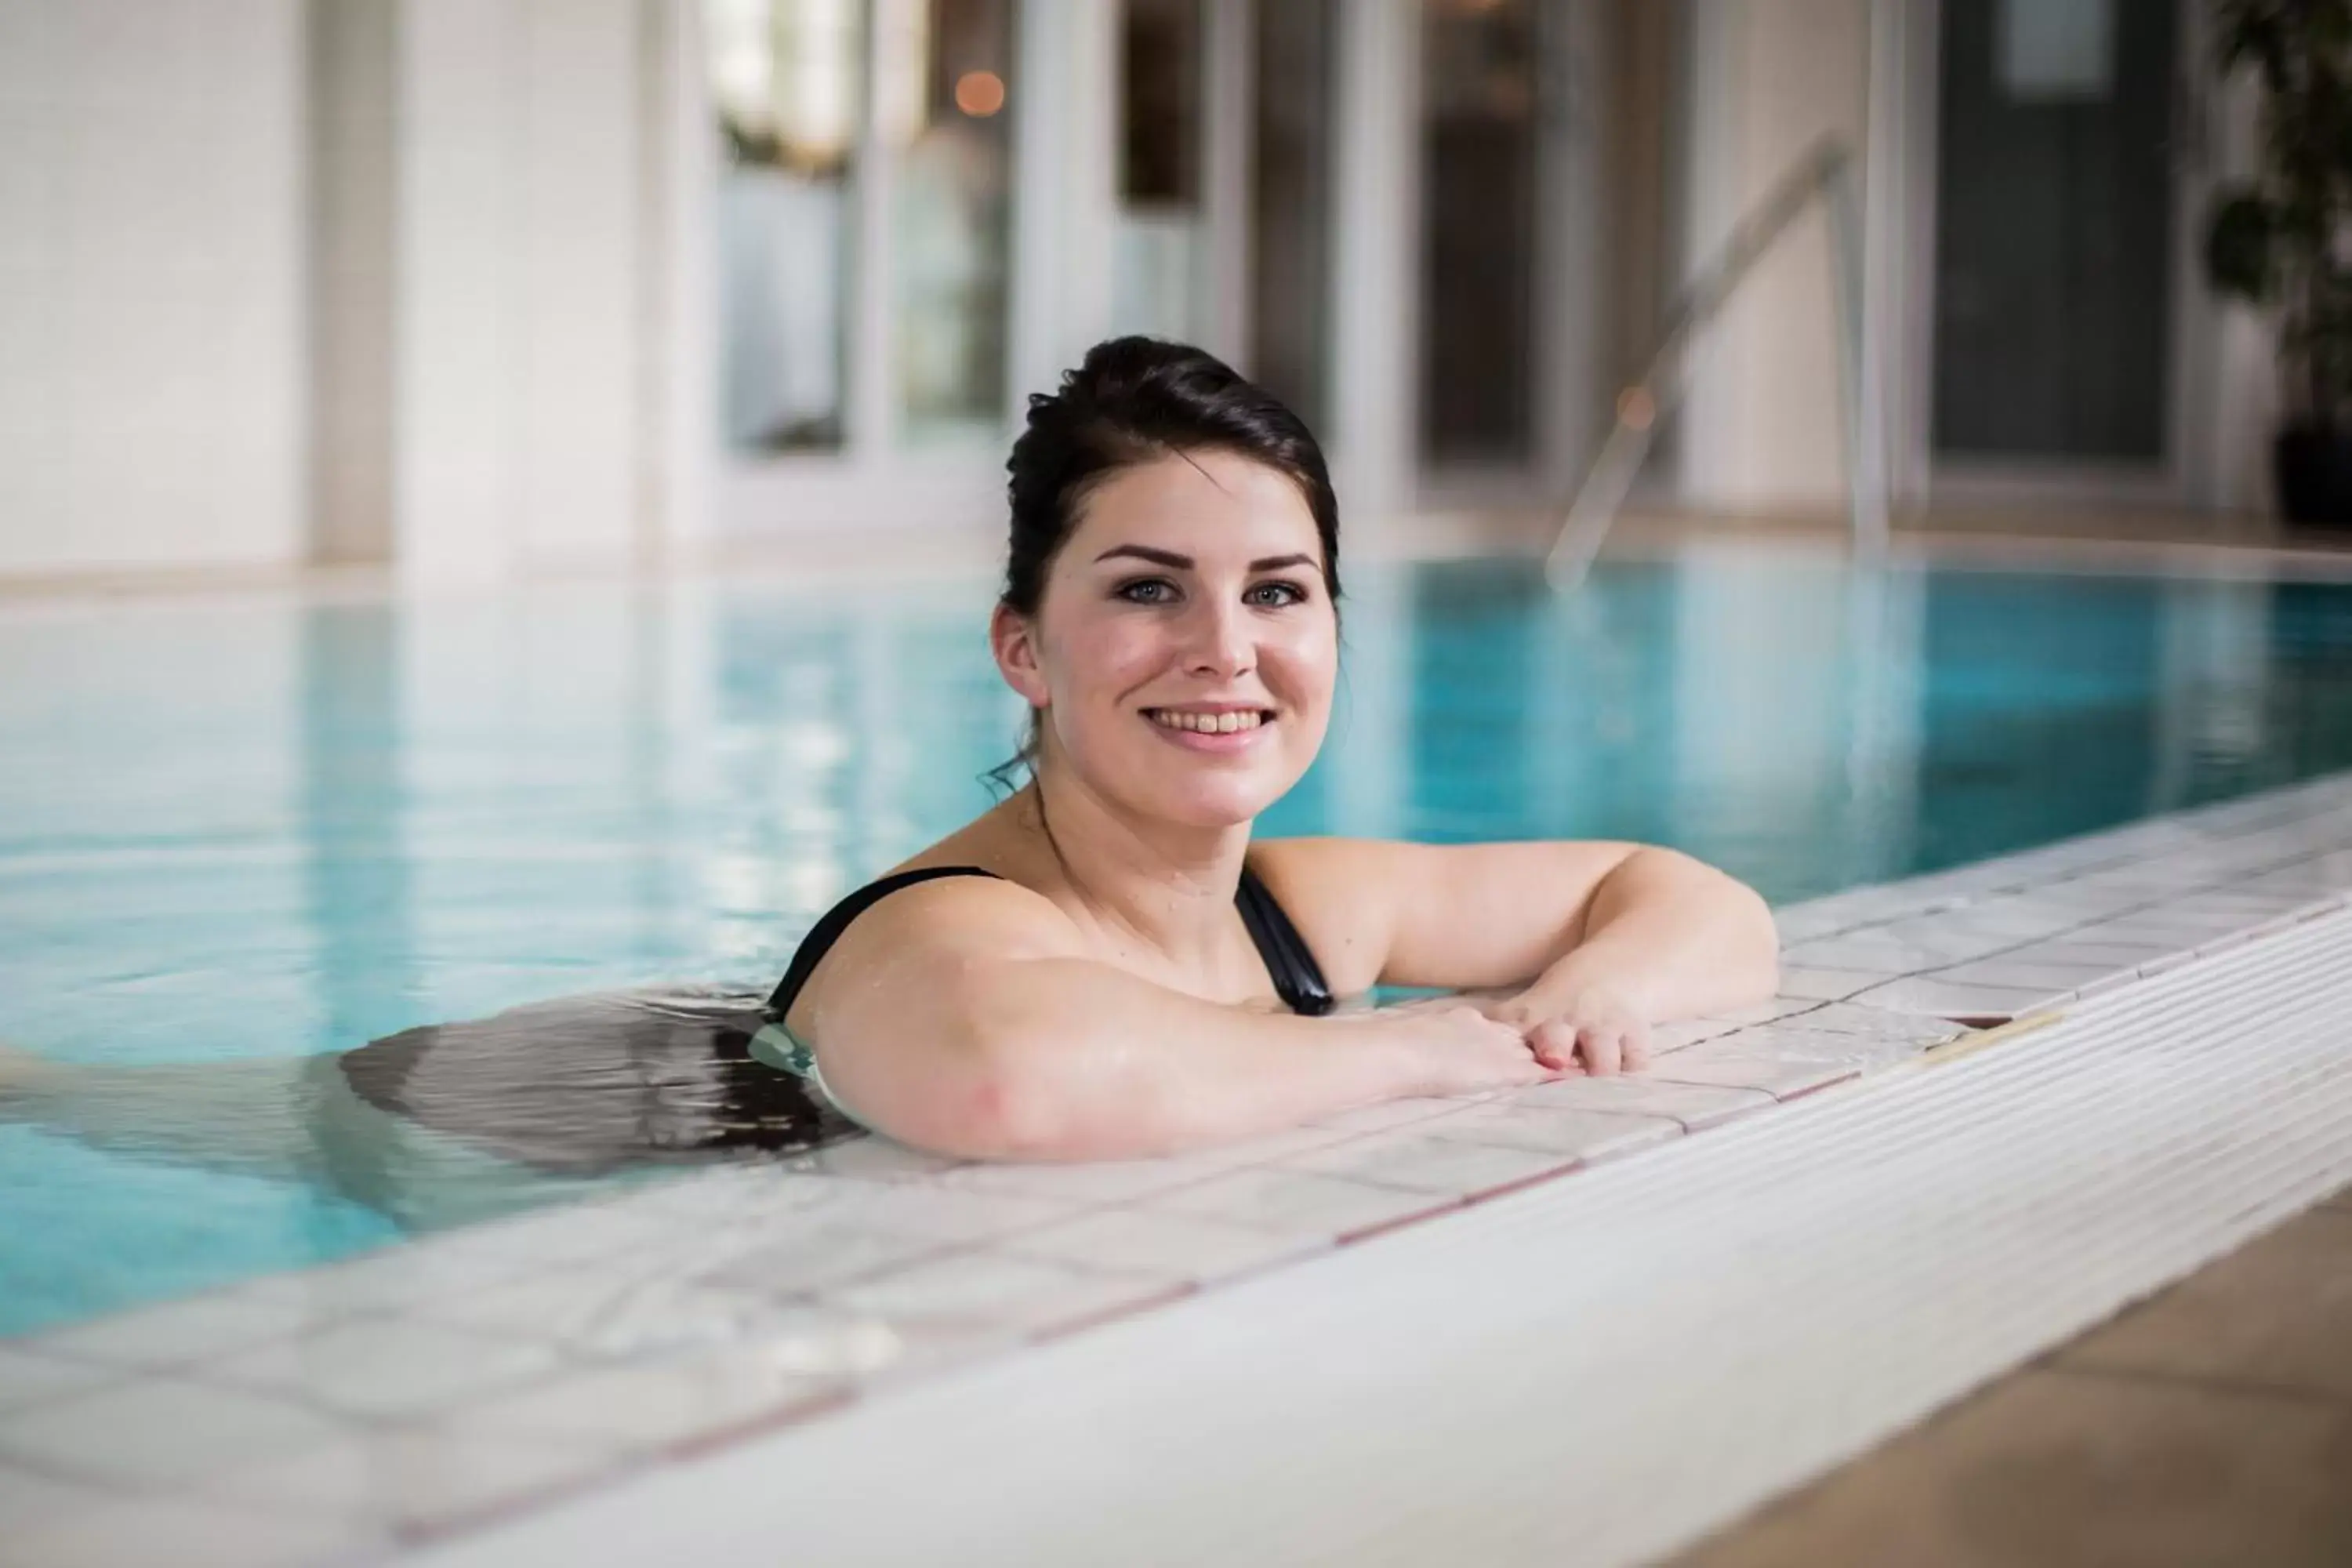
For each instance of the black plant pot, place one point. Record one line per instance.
(2313, 465)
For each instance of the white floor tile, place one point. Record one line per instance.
(814, 1259)
(952, 1212)
(991, 1292)
(1640, 1094)
(1155, 1242)
(1873, 1023)
(414, 1479)
(159, 1432)
(1273, 1149)
(1297, 1203)
(1578, 1135)
(1782, 1042)
(1827, 984)
(583, 1233)
(1090, 1183)
(28, 1499)
(1386, 1114)
(1782, 1078)
(1764, 1012)
(1443, 1166)
(133, 1533)
(652, 1404)
(1674, 1036)
(175, 1333)
(1917, 995)
(386, 1368)
(2027, 971)
(399, 1277)
(28, 1378)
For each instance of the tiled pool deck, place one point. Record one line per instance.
(344, 1412)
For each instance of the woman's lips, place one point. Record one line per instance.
(1190, 728)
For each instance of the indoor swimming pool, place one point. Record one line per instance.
(274, 827)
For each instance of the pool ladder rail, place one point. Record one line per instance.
(1825, 173)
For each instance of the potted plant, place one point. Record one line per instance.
(2283, 241)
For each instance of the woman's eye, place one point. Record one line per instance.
(1270, 594)
(1148, 590)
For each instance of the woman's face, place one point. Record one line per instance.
(1184, 650)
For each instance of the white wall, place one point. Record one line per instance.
(1761, 429)
(517, 325)
(151, 299)
(420, 234)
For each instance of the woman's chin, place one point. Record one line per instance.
(1217, 803)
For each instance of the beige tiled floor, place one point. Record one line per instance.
(2211, 1424)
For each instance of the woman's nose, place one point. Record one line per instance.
(1221, 643)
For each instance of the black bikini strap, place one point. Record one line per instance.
(827, 929)
(1297, 978)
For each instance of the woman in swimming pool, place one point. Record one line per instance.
(1103, 966)
(1127, 977)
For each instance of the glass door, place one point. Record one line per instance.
(2061, 287)
(1481, 140)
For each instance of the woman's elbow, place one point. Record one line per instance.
(994, 1099)
(1012, 1112)
(978, 1112)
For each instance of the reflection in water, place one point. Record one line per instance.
(356, 873)
(269, 835)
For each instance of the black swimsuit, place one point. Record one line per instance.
(1297, 978)
(586, 1084)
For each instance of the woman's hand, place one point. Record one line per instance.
(1592, 1026)
(1452, 1046)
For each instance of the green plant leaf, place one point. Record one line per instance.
(2239, 255)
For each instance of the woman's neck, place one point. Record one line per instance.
(1166, 885)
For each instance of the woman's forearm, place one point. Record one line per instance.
(1674, 937)
(1070, 1060)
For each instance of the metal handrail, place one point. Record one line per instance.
(1826, 171)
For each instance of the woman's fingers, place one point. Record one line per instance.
(1603, 1046)
(1553, 1041)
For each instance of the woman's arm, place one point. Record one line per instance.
(1598, 939)
(1007, 1045)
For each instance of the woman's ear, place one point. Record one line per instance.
(1012, 638)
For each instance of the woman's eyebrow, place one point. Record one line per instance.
(1174, 561)
(1167, 558)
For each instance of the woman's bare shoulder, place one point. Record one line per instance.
(917, 934)
(993, 914)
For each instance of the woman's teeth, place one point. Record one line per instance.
(1206, 723)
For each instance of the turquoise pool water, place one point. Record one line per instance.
(264, 828)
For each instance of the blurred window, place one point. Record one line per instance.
(2054, 246)
(1478, 319)
(1290, 198)
(1161, 245)
(785, 79)
(947, 108)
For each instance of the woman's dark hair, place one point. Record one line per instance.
(1135, 400)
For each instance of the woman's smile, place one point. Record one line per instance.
(1216, 728)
